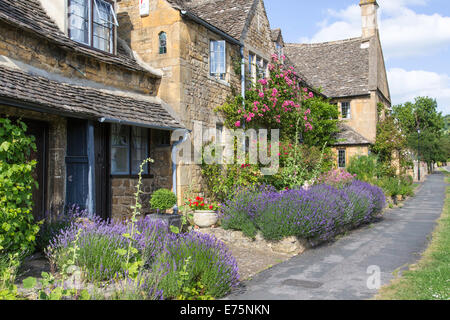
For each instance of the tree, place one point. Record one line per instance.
(422, 126)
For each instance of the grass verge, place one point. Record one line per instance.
(429, 279)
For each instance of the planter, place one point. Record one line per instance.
(205, 219)
(168, 219)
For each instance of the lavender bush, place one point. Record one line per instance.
(163, 253)
(319, 213)
(206, 260)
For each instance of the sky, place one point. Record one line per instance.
(415, 35)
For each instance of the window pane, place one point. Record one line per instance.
(217, 58)
(345, 106)
(139, 149)
(162, 43)
(120, 149)
(341, 157)
(78, 20)
(103, 26)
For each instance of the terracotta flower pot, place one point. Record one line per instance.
(205, 219)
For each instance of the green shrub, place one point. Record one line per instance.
(9, 265)
(163, 199)
(17, 227)
(365, 167)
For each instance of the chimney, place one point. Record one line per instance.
(369, 14)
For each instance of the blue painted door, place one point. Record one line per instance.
(77, 164)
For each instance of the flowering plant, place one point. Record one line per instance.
(336, 177)
(200, 204)
(274, 102)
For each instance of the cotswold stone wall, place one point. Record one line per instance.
(257, 37)
(186, 84)
(56, 154)
(43, 54)
(123, 189)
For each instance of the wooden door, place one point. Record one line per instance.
(102, 169)
(40, 131)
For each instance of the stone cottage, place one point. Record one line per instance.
(102, 84)
(206, 50)
(352, 73)
(88, 99)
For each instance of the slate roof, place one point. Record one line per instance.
(340, 68)
(29, 15)
(69, 99)
(230, 16)
(348, 136)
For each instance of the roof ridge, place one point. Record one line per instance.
(316, 44)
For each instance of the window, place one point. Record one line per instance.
(92, 22)
(261, 66)
(251, 63)
(161, 138)
(341, 159)
(345, 110)
(279, 49)
(162, 43)
(258, 67)
(129, 147)
(217, 59)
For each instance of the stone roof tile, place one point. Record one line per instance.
(340, 68)
(230, 16)
(70, 99)
(348, 136)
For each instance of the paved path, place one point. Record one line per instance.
(339, 270)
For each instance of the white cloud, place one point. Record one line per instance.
(403, 32)
(406, 85)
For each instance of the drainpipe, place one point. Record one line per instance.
(174, 166)
(243, 79)
(243, 88)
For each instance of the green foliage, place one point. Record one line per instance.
(52, 289)
(163, 199)
(198, 292)
(423, 115)
(9, 265)
(365, 167)
(394, 186)
(389, 139)
(324, 119)
(17, 227)
(222, 180)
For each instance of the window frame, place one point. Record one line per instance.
(340, 151)
(159, 42)
(218, 76)
(90, 21)
(130, 173)
(349, 110)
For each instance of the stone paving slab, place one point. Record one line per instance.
(339, 271)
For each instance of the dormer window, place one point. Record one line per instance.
(92, 23)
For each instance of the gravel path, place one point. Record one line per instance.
(341, 270)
